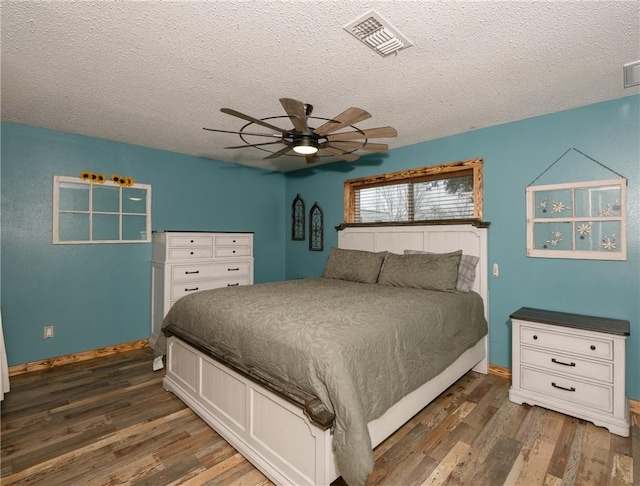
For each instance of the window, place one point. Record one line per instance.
(577, 220)
(444, 192)
(87, 212)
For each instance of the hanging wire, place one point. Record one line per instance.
(581, 153)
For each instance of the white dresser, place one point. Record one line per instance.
(186, 262)
(571, 363)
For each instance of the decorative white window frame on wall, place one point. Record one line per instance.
(581, 220)
(109, 213)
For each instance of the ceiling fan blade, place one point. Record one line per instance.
(257, 121)
(348, 117)
(380, 132)
(296, 111)
(253, 145)
(270, 135)
(312, 159)
(367, 147)
(280, 152)
(339, 153)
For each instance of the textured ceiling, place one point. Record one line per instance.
(155, 73)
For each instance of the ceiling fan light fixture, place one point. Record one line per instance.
(306, 146)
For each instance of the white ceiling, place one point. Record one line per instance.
(155, 73)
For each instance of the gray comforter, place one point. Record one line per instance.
(358, 347)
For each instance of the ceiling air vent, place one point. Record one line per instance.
(378, 34)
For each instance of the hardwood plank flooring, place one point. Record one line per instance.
(108, 421)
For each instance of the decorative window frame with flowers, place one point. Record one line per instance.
(91, 209)
(582, 220)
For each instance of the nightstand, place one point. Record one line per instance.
(571, 363)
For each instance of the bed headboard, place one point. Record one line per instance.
(435, 238)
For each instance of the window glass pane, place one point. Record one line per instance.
(134, 227)
(73, 227)
(106, 199)
(73, 197)
(598, 201)
(385, 203)
(134, 200)
(553, 204)
(106, 227)
(444, 199)
(553, 236)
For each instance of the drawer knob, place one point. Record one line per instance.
(191, 252)
(593, 347)
(535, 337)
(553, 360)
(191, 241)
(234, 241)
(572, 389)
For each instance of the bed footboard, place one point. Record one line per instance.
(276, 436)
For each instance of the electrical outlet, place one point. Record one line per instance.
(47, 332)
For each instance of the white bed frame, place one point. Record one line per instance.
(275, 435)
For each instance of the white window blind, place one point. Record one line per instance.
(420, 200)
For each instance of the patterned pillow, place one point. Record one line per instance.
(354, 265)
(430, 271)
(466, 270)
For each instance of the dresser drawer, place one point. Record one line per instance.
(200, 271)
(233, 240)
(200, 252)
(182, 289)
(596, 370)
(188, 241)
(566, 342)
(233, 252)
(575, 391)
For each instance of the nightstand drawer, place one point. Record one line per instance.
(566, 342)
(595, 370)
(201, 252)
(190, 241)
(180, 290)
(200, 271)
(572, 390)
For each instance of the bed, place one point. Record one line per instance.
(315, 409)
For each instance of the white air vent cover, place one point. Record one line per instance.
(378, 34)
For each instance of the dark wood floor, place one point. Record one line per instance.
(108, 421)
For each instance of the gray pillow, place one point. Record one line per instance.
(354, 265)
(466, 269)
(430, 271)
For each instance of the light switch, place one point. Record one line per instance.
(496, 270)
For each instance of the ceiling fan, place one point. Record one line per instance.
(306, 141)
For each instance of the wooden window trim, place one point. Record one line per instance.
(462, 168)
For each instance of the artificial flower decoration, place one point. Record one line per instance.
(122, 181)
(86, 175)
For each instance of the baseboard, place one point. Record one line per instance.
(75, 358)
(500, 371)
(634, 405)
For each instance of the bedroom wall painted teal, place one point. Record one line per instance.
(514, 155)
(99, 295)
